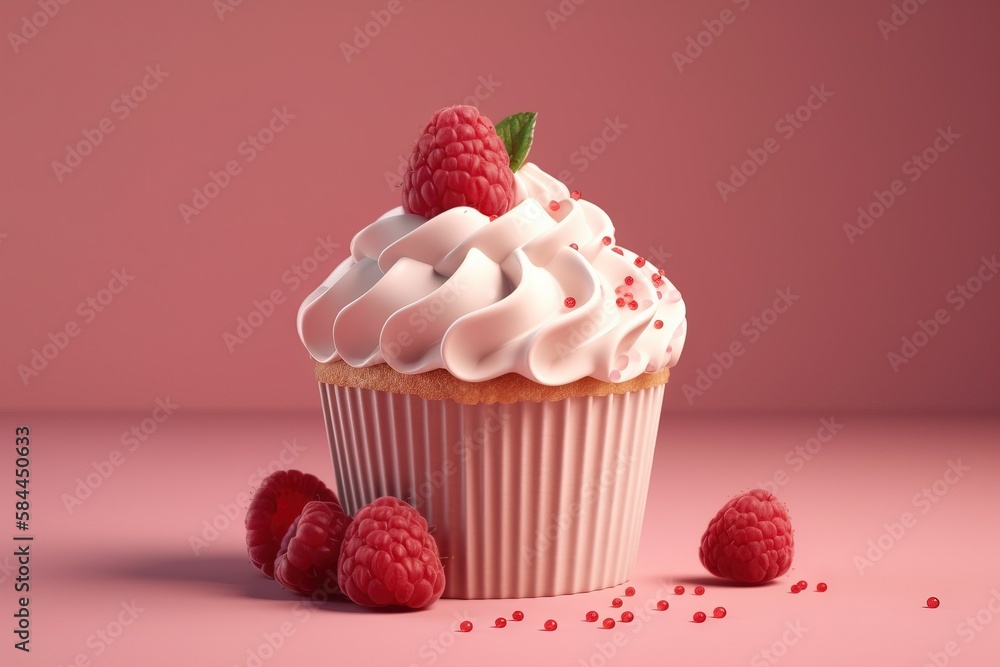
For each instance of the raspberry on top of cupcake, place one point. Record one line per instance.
(490, 267)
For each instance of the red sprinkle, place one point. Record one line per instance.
(500, 622)
(821, 587)
(662, 272)
(802, 584)
(609, 623)
(720, 612)
(606, 240)
(617, 602)
(699, 617)
(466, 626)
(662, 605)
(629, 280)
(492, 218)
(518, 616)
(632, 305)
(574, 246)
(554, 205)
(678, 590)
(551, 625)
(933, 603)
(640, 262)
(618, 250)
(658, 324)
(620, 301)
(628, 296)
(796, 589)
(629, 591)
(570, 302)
(627, 616)
(575, 194)
(591, 616)
(699, 590)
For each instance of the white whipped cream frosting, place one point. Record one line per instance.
(483, 298)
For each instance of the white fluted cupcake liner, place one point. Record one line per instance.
(525, 499)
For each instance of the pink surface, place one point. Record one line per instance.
(129, 543)
(664, 132)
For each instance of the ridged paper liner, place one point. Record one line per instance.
(525, 499)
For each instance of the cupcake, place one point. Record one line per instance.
(489, 354)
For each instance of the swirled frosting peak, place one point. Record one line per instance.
(542, 290)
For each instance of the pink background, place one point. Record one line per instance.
(324, 176)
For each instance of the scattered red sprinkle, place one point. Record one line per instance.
(662, 605)
(933, 603)
(657, 279)
(618, 250)
(699, 617)
(627, 616)
(575, 194)
(617, 602)
(609, 623)
(802, 584)
(466, 626)
(632, 305)
(662, 272)
(629, 280)
(821, 587)
(574, 246)
(658, 324)
(591, 616)
(628, 296)
(500, 622)
(492, 218)
(620, 302)
(518, 616)
(551, 625)
(606, 240)
(699, 590)
(630, 591)
(795, 588)
(719, 612)
(570, 302)
(554, 205)
(678, 590)
(659, 295)
(640, 262)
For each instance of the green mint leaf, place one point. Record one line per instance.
(517, 131)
